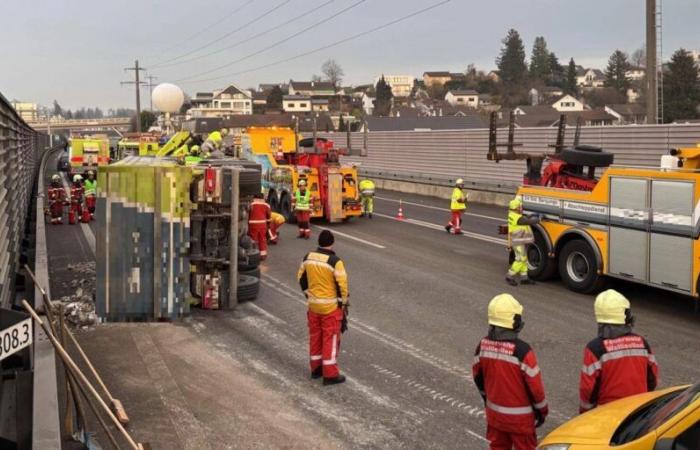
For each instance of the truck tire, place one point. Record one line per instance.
(589, 148)
(251, 272)
(540, 265)
(586, 158)
(273, 202)
(578, 267)
(250, 182)
(253, 260)
(286, 208)
(248, 288)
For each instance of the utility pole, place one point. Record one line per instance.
(651, 84)
(150, 89)
(137, 83)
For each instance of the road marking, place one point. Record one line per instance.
(348, 236)
(87, 231)
(499, 219)
(434, 226)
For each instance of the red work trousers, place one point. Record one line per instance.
(303, 218)
(258, 232)
(90, 201)
(274, 232)
(500, 440)
(324, 341)
(456, 220)
(56, 208)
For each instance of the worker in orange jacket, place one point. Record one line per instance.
(258, 219)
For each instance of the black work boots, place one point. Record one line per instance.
(337, 380)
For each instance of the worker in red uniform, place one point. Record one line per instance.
(75, 212)
(302, 208)
(323, 279)
(258, 220)
(506, 373)
(617, 363)
(276, 222)
(57, 199)
(90, 190)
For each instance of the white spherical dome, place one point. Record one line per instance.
(168, 98)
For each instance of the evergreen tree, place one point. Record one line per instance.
(570, 86)
(556, 71)
(57, 110)
(616, 72)
(511, 61)
(274, 98)
(382, 102)
(342, 126)
(539, 61)
(681, 88)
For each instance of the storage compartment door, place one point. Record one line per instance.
(629, 222)
(335, 197)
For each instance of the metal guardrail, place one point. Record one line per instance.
(21, 148)
(438, 180)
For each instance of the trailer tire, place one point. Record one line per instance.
(253, 260)
(578, 267)
(272, 201)
(248, 288)
(540, 265)
(286, 208)
(251, 272)
(589, 148)
(586, 158)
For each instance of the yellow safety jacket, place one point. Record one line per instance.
(90, 187)
(302, 201)
(519, 234)
(323, 279)
(216, 138)
(367, 187)
(277, 218)
(456, 205)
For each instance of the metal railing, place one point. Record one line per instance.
(21, 148)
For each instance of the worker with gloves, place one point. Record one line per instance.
(90, 189)
(367, 197)
(213, 146)
(458, 204)
(617, 363)
(302, 208)
(519, 237)
(276, 222)
(57, 199)
(323, 279)
(506, 373)
(259, 214)
(75, 213)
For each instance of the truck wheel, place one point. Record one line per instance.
(286, 209)
(540, 266)
(586, 157)
(253, 260)
(252, 272)
(578, 267)
(248, 288)
(272, 201)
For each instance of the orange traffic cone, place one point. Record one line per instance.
(400, 216)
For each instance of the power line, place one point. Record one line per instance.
(281, 41)
(262, 33)
(137, 83)
(220, 38)
(325, 47)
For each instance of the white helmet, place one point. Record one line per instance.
(77, 178)
(459, 182)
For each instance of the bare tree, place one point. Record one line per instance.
(316, 78)
(639, 57)
(333, 72)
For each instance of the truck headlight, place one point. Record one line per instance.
(554, 447)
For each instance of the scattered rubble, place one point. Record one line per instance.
(79, 307)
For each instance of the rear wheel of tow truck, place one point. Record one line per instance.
(539, 265)
(286, 208)
(273, 202)
(578, 267)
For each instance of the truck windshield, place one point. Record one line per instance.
(651, 416)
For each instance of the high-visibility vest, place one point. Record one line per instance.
(216, 138)
(519, 234)
(90, 187)
(192, 160)
(367, 187)
(303, 201)
(457, 194)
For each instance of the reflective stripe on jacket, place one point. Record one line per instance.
(302, 201)
(323, 279)
(508, 377)
(519, 234)
(456, 205)
(90, 187)
(367, 187)
(616, 368)
(259, 212)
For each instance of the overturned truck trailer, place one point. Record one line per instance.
(169, 236)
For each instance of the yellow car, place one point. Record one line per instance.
(668, 419)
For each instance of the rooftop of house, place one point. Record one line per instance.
(296, 97)
(311, 85)
(232, 90)
(628, 109)
(439, 73)
(463, 92)
(597, 73)
(425, 123)
(323, 121)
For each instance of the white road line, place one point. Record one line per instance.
(354, 238)
(434, 226)
(500, 219)
(87, 231)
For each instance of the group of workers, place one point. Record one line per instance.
(81, 200)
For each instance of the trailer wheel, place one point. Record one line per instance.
(251, 272)
(578, 267)
(286, 209)
(272, 201)
(248, 288)
(540, 266)
(253, 260)
(586, 157)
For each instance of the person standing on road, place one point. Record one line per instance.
(302, 208)
(617, 363)
(519, 237)
(57, 199)
(458, 204)
(324, 282)
(367, 197)
(506, 373)
(75, 212)
(91, 193)
(259, 214)
(276, 222)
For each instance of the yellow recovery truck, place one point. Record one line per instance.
(88, 153)
(638, 224)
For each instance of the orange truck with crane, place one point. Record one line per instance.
(285, 161)
(640, 224)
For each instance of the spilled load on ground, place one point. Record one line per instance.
(284, 162)
(169, 236)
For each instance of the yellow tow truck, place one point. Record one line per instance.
(88, 153)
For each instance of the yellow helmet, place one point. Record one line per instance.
(194, 150)
(459, 182)
(613, 308)
(505, 311)
(516, 203)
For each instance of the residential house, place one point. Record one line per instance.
(361, 90)
(546, 116)
(590, 78)
(401, 85)
(633, 94)
(267, 87)
(319, 104)
(436, 78)
(544, 94)
(368, 103)
(628, 113)
(259, 102)
(466, 97)
(311, 88)
(296, 103)
(485, 100)
(27, 111)
(568, 103)
(221, 103)
(636, 73)
(473, 121)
